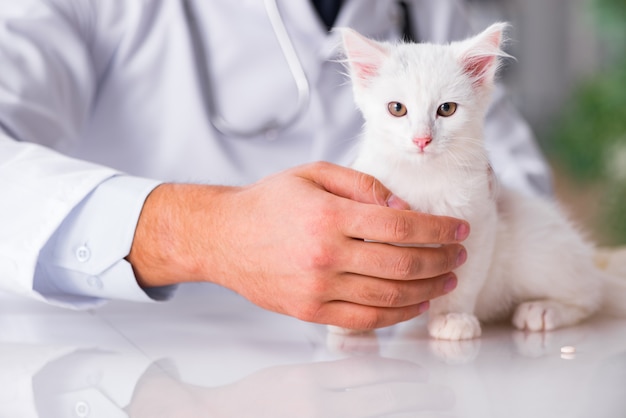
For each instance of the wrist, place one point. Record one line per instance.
(171, 243)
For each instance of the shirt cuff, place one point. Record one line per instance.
(83, 262)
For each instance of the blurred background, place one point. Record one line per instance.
(569, 81)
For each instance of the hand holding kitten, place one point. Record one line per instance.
(294, 243)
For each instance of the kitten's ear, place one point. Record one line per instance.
(364, 56)
(480, 55)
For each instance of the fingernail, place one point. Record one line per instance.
(462, 232)
(423, 307)
(396, 203)
(461, 257)
(450, 284)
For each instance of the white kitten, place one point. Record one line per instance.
(424, 107)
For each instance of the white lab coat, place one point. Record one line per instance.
(101, 100)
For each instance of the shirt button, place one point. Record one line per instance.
(83, 253)
(81, 409)
(94, 282)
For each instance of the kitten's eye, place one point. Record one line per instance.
(397, 109)
(447, 109)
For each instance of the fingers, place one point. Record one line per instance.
(352, 184)
(403, 227)
(365, 303)
(361, 317)
(380, 219)
(400, 263)
(366, 285)
(382, 293)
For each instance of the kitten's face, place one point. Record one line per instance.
(422, 104)
(422, 101)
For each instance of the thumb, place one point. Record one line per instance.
(352, 184)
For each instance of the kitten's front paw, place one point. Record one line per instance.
(535, 316)
(454, 326)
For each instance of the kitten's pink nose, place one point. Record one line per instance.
(422, 142)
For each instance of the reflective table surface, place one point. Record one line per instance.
(210, 353)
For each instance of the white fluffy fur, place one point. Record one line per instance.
(525, 259)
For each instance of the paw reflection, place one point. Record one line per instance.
(455, 352)
(533, 344)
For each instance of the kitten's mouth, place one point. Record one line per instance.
(420, 151)
(416, 153)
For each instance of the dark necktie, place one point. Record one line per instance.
(327, 11)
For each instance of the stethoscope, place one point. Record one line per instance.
(270, 128)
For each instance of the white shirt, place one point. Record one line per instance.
(102, 100)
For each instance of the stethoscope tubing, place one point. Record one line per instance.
(270, 128)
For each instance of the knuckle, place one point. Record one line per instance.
(322, 286)
(309, 312)
(437, 261)
(440, 262)
(439, 232)
(321, 253)
(321, 164)
(392, 297)
(435, 230)
(365, 183)
(318, 166)
(404, 266)
(436, 287)
(321, 258)
(433, 289)
(399, 229)
(370, 321)
(409, 313)
(442, 234)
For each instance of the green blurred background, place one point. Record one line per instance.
(569, 81)
(588, 140)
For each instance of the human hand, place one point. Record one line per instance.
(294, 243)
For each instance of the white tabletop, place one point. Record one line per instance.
(208, 352)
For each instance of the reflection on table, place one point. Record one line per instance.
(211, 353)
